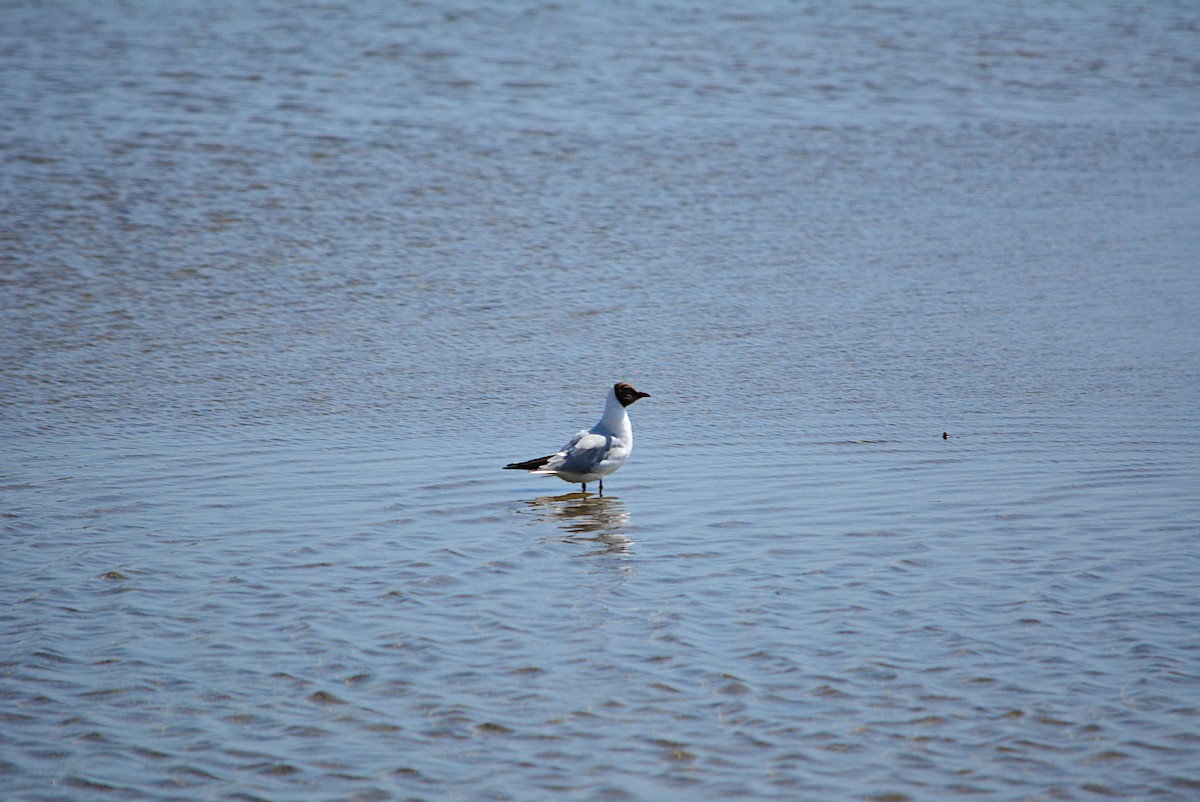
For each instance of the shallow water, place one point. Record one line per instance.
(285, 285)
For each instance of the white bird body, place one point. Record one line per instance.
(593, 453)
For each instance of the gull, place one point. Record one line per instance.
(593, 453)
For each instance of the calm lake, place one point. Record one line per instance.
(913, 509)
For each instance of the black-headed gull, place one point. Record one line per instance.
(594, 453)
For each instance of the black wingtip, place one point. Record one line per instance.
(528, 465)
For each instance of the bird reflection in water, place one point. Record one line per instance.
(588, 519)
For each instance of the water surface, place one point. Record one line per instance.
(284, 285)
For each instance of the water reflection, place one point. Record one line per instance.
(588, 519)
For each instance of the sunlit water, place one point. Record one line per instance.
(285, 285)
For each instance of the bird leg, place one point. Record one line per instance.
(584, 485)
(601, 487)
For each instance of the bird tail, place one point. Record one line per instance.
(528, 465)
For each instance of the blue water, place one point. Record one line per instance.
(911, 512)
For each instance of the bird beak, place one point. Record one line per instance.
(643, 395)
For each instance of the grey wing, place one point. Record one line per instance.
(584, 452)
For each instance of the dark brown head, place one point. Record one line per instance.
(626, 393)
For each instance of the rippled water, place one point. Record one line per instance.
(284, 285)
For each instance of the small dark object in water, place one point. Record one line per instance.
(945, 435)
